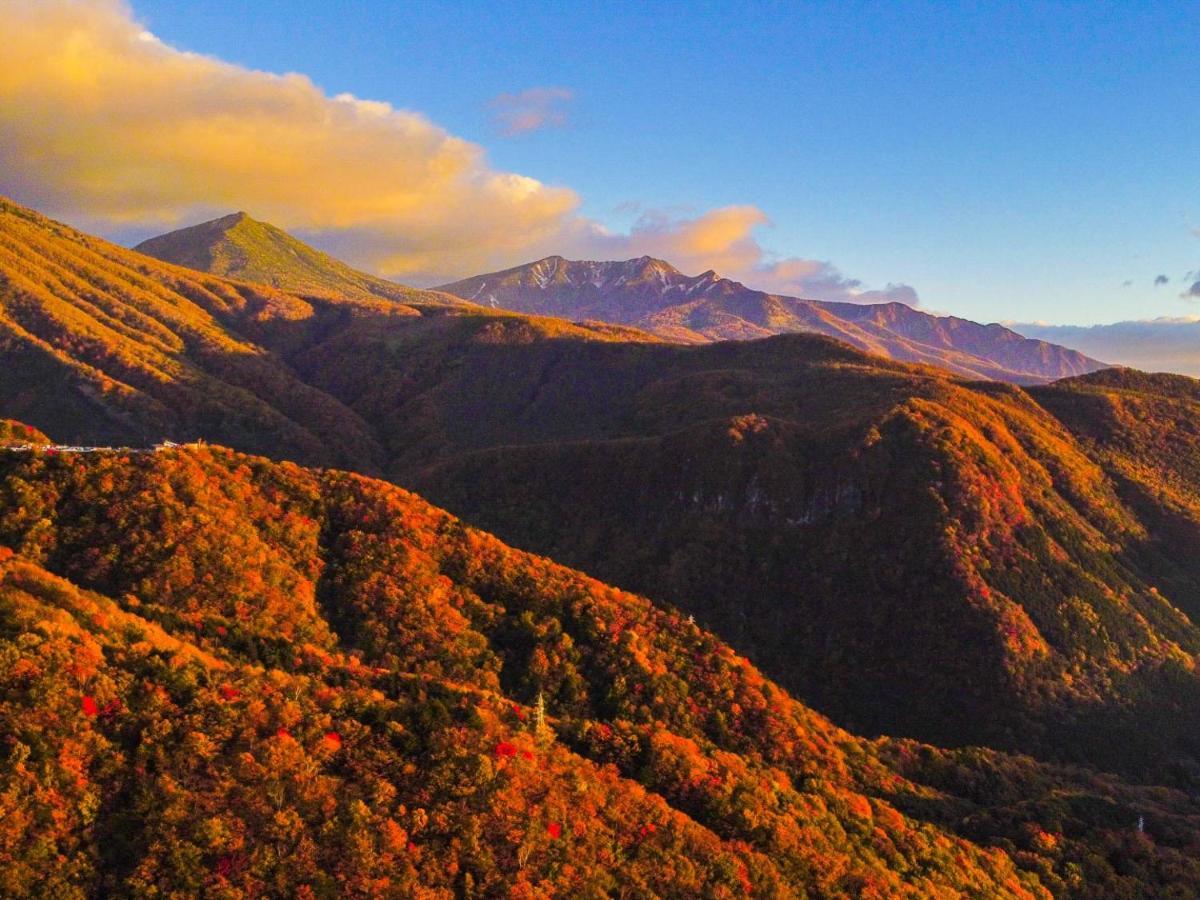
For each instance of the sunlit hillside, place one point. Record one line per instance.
(224, 674)
(105, 345)
(910, 553)
(237, 246)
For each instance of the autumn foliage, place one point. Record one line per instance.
(229, 676)
(224, 675)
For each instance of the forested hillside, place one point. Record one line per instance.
(911, 553)
(868, 532)
(222, 674)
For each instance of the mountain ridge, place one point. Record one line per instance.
(651, 294)
(646, 293)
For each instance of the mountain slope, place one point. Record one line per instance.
(1143, 430)
(652, 294)
(868, 532)
(221, 674)
(426, 654)
(237, 246)
(104, 345)
(910, 553)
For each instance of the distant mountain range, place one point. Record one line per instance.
(651, 294)
(1156, 345)
(645, 293)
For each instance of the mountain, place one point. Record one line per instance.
(104, 345)
(222, 675)
(239, 247)
(653, 295)
(646, 293)
(910, 553)
(907, 551)
(1157, 345)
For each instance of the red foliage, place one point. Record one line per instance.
(744, 879)
(506, 749)
(555, 830)
(333, 740)
(229, 865)
(90, 707)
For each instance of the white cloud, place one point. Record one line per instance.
(1156, 345)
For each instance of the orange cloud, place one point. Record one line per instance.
(98, 119)
(723, 240)
(104, 125)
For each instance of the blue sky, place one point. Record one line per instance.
(1009, 162)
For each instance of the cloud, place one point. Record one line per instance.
(1160, 280)
(530, 110)
(104, 125)
(101, 122)
(723, 239)
(1155, 345)
(1193, 292)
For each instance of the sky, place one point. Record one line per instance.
(1003, 162)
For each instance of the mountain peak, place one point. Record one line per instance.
(652, 262)
(217, 225)
(651, 294)
(239, 246)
